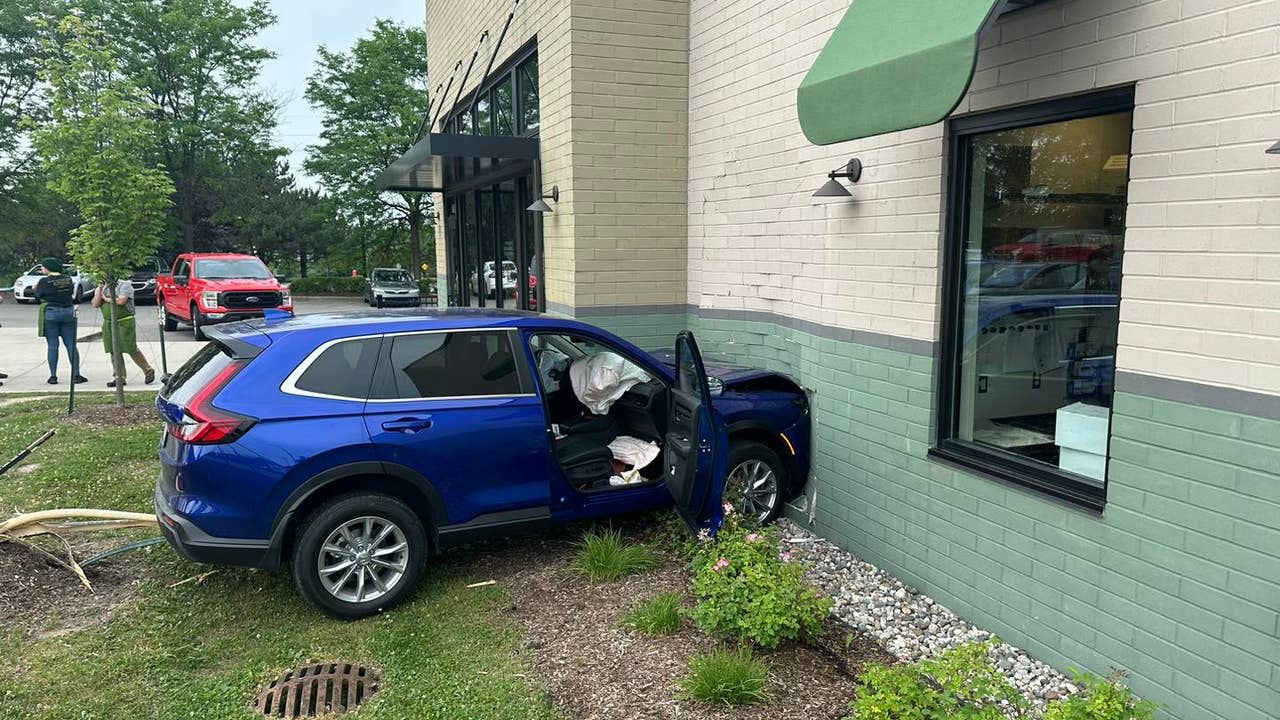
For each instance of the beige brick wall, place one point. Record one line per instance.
(1202, 266)
(614, 93)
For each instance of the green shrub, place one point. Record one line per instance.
(732, 677)
(659, 615)
(605, 556)
(747, 593)
(1101, 699)
(322, 285)
(961, 684)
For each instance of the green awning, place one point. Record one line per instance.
(892, 65)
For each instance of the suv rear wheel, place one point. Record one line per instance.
(358, 554)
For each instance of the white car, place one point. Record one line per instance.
(24, 288)
(509, 283)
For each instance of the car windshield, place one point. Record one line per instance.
(391, 276)
(238, 268)
(1012, 276)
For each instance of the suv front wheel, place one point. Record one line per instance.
(358, 554)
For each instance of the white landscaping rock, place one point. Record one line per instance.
(908, 624)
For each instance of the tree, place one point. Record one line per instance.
(96, 148)
(372, 100)
(23, 26)
(196, 62)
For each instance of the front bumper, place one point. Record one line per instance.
(222, 315)
(406, 300)
(195, 545)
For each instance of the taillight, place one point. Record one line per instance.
(204, 424)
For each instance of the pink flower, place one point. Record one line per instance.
(786, 557)
(752, 537)
(704, 535)
(728, 509)
(721, 564)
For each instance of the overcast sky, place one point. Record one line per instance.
(302, 26)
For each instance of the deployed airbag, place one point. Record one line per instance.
(599, 380)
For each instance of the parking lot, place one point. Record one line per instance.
(22, 353)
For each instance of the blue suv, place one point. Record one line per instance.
(354, 446)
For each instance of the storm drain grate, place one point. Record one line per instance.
(322, 689)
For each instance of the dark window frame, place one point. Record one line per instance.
(988, 461)
(487, 90)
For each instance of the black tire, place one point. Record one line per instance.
(378, 301)
(197, 325)
(170, 324)
(312, 535)
(741, 453)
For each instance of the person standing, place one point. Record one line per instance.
(56, 293)
(127, 324)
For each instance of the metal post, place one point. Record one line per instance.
(73, 359)
(164, 357)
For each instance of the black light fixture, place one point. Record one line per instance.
(1274, 149)
(540, 205)
(833, 188)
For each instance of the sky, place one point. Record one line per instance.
(301, 26)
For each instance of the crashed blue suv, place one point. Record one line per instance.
(353, 446)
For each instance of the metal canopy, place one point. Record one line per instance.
(420, 169)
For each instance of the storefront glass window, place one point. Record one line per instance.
(484, 123)
(503, 108)
(1033, 341)
(530, 113)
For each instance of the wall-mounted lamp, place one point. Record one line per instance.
(540, 205)
(1274, 149)
(833, 188)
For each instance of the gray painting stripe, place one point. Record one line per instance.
(1245, 402)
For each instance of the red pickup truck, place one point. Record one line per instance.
(207, 288)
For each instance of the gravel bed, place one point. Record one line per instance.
(907, 623)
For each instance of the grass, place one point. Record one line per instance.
(603, 556)
(659, 615)
(728, 677)
(203, 649)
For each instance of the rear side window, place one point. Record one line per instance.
(344, 369)
(458, 364)
(195, 374)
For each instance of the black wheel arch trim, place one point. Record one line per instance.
(346, 471)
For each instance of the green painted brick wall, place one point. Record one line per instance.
(1177, 581)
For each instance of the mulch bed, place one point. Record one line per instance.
(40, 597)
(594, 669)
(102, 417)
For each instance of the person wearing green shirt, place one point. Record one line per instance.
(127, 323)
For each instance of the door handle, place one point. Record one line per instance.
(407, 425)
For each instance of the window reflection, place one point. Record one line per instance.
(1041, 280)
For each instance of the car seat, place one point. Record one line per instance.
(586, 461)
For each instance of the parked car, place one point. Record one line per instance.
(509, 284)
(24, 287)
(143, 279)
(391, 286)
(1056, 244)
(208, 288)
(351, 446)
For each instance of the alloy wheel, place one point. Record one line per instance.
(752, 487)
(363, 559)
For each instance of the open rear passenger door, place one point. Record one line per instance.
(697, 443)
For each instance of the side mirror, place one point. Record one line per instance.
(281, 279)
(715, 385)
(179, 279)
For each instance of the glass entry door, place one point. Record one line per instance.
(493, 254)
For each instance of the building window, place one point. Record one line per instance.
(1037, 211)
(503, 108)
(484, 123)
(530, 112)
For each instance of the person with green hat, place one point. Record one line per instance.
(126, 322)
(56, 292)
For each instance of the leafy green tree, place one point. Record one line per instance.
(23, 26)
(372, 100)
(96, 147)
(197, 63)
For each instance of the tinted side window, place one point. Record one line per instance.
(195, 374)
(344, 369)
(455, 364)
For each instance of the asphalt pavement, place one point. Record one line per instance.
(22, 352)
